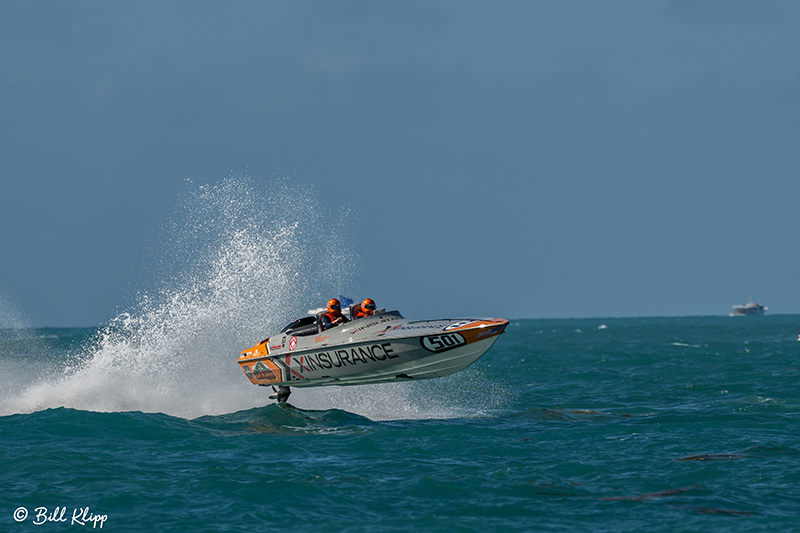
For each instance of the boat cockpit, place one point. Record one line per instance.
(312, 325)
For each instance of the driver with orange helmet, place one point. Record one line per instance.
(365, 308)
(333, 317)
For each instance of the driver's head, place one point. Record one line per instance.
(334, 306)
(368, 306)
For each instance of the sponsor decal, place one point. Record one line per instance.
(295, 368)
(320, 338)
(292, 371)
(283, 342)
(341, 358)
(407, 327)
(374, 321)
(443, 342)
(389, 328)
(261, 372)
(276, 347)
(293, 343)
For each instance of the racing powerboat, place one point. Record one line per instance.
(381, 348)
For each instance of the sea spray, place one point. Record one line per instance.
(237, 263)
(10, 316)
(244, 261)
(18, 344)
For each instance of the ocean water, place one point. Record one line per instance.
(619, 424)
(148, 424)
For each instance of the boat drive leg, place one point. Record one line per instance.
(281, 394)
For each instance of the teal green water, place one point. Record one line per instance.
(653, 424)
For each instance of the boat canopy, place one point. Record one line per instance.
(301, 327)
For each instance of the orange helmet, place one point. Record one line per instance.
(368, 306)
(334, 306)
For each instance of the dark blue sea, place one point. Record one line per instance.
(617, 424)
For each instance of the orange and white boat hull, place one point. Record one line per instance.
(378, 349)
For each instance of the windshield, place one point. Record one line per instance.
(300, 323)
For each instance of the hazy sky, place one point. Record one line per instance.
(517, 159)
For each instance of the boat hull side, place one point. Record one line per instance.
(376, 361)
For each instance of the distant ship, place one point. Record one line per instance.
(748, 309)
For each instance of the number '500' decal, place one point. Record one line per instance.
(440, 343)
